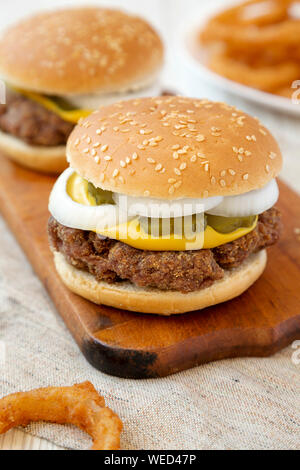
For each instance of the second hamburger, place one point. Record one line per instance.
(61, 65)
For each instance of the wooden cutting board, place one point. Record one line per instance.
(260, 322)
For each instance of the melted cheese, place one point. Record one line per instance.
(67, 115)
(132, 234)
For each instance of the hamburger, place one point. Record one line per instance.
(168, 205)
(59, 66)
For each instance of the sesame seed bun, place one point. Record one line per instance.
(174, 147)
(148, 300)
(80, 51)
(43, 159)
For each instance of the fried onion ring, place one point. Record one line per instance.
(80, 405)
(266, 78)
(255, 12)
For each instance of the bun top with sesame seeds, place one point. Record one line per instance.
(80, 51)
(174, 147)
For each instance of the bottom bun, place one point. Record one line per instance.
(43, 159)
(127, 296)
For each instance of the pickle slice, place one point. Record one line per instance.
(184, 226)
(62, 103)
(100, 195)
(229, 224)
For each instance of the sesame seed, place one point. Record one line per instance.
(93, 152)
(134, 156)
(123, 164)
(104, 148)
(132, 172)
(128, 160)
(262, 132)
(76, 143)
(247, 153)
(206, 167)
(182, 166)
(88, 140)
(176, 147)
(171, 180)
(115, 129)
(121, 179)
(96, 144)
(158, 167)
(177, 171)
(146, 193)
(193, 158)
(241, 150)
(213, 180)
(267, 168)
(235, 149)
(171, 190)
(223, 173)
(223, 183)
(272, 155)
(200, 138)
(86, 150)
(240, 158)
(107, 158)
(175, 155)
(115, 173)
(150, 160)
(245, 176)
(97, 159)
(99, 131)
(232, 172)
(253, 138)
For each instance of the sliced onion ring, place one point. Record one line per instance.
(251, 203)
(74, 215)
(162, 209)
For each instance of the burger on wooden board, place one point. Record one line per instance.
(61, 65)
(168, 205)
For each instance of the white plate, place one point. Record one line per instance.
(196, 72)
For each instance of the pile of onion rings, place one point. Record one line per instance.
(80, 405)
(257, 44)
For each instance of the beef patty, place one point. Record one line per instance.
(32, 123)
(186, 271)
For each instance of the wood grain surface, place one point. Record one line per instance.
(260, 322)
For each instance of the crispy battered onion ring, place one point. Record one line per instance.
(266, 78)
(80, 405)
(234, 27)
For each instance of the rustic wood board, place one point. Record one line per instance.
(260, 322)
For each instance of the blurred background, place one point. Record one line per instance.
(173, 18)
